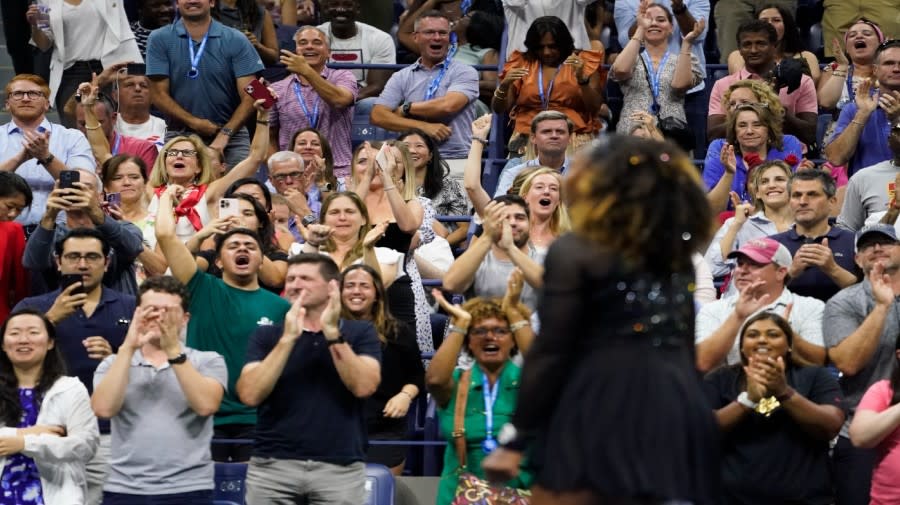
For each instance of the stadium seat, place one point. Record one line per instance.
(229, 482)
(438, 328)
(221, 502)
(814, 41)
(362, 130)
(433, 457)
(379, 485)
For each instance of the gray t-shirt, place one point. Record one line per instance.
(867, 193)
(491, 277)
(844, 313)
(159, 444)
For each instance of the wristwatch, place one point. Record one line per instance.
(339, 340)
(404, 111)
(309, 219)
(227, 131)
(177, 360)
(744, 399)
(47, 161)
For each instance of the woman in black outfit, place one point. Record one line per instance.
(610, 401)
(402, 374)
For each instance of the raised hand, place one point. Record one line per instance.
(837, 50)
(865, 101)
(577, 65)
(332, 312)
(742, 209)
(514, 284)
(317, 234)
(375, 234)
(728, 158)
(881, 285)
(66, 303)
(97, 347)
(458, 316)
(481, 127)
(751, 299)
(699, 26)
(513, 75)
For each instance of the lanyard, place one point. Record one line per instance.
(436, 82)
(545, 100)
(850, 91)
(193, 73)
(490, 396)
(653, 77)
(312, 119)
(118, 144)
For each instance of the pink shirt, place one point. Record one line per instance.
(885, 486)
(803, 99)
(143, 149)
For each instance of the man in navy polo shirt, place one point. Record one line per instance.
(823, 255)
(90, 321)
(310, 378)
(198, 69)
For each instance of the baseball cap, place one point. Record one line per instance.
(877, 228)
(765, 251)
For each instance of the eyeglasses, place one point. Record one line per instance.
(32, 95)
(284, 177)
(432, 33)
(187, 153)
(497, 331)
(880, 242)
(76, 258)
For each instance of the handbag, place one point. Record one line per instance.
(470, 489)
(671, 127)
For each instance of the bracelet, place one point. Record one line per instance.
(637, 39)
(262, 121)
(458, 329)
(86, 127)
(390, 188)
(860, 123)
(838, 73)
(518, 325)
(498, 95)
(483, 141)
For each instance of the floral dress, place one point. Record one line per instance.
(21, 482)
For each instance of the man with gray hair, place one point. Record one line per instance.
(436, 94)
(296, 184)
(550, 133)
(314, 96)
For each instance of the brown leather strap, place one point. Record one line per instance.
(459, 416)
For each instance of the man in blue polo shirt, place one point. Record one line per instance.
(90, 321)
(198, 69)
(310, 378)
(550, 133)
(436, 94)
(823, 255)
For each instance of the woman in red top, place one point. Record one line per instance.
(15, 195)
(551, 74)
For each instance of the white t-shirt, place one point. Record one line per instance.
(154, 130)
(369, 45)
(521, 13)
(83, 33)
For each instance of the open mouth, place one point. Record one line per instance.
(242, 260)
(860, 44)
(491, 349)
(436, 47)
(179, 165)
(545, 202)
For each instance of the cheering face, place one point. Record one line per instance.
(772, 187)
(311, 44)
(876, 248)
(660, 27)
(543, 195)
(305, 279)
(195, 10)
(25, 341)
(128, 182)
(748, 272)
(861, 41)
(490, 341)
(240, 256)
(433, 38)
(763, 338)
(418, 151)
(308, 146)
(182, 164)
(358, 293)
(166, 309)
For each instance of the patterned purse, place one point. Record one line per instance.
(472, 490)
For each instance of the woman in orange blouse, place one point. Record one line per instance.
(551, 74)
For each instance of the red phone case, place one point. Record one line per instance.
(258, 91)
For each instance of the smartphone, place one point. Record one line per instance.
(228, 207)
(136, 69)
(259, 91)
(68, 279)
(114, 199)
(68, 178)
(381, 157)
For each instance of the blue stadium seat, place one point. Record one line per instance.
(814, 40)
(222, 502)
(229, 482)
(433, 457)
(362, 129)
(438, 328)
(379, 485)
(821, 127)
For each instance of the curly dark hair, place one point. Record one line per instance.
(52, 369)
(635, 218)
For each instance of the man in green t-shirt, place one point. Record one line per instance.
(224, 312)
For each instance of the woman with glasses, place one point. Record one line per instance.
(611, 408)
(752, 135)
(491, 331)
(185, 162)
(652, 78)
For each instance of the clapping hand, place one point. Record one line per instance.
(728, 158)
(837, 50)
(332, 312)
(458, 316)
(514, 285)
(699, 26)
(481, 127)
(742, 210)
(375, 234)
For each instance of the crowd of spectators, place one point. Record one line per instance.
(205, 241)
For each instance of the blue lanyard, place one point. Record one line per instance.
(545, 100)
(490, 397)
(850, 91)
(312, 119)
(436, 82)
(194, 72)
(118, 144)
(653, 76)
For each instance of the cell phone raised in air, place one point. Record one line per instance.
(259, 91)
(136, 69)
(68, 178)
(229, 207)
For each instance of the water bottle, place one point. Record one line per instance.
(43, 18)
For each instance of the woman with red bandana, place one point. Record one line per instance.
(184, 161)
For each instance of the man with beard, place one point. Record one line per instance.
(310, 379)
(863, 128)
(550, 132)
(757, 45)
(861, 326)
(487, 263)
(198, 69)
(760, 277)
(224, 312)
(35, 148)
